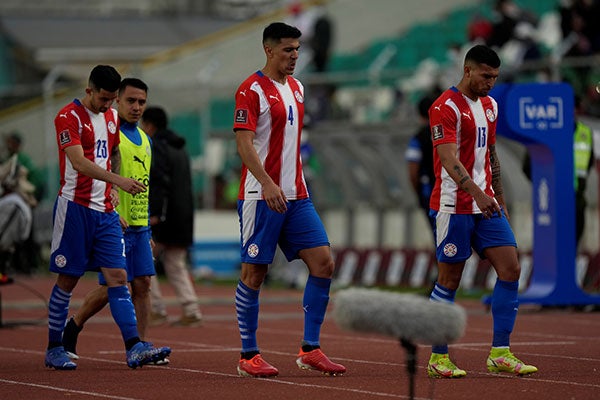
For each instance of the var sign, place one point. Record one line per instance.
(541, 115)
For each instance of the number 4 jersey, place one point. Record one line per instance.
(455, 118)
(97, 134)
(274, 112)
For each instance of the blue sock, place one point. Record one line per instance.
(504, 311)
(58, 309)
(246, 306)
(316, 298)
(444, 295)
(123, 312)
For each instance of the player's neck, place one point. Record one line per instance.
(277, 77)
(464, 89)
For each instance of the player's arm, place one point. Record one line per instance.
(86, 167)
(497, 179)
(457, 171)
(272, 193)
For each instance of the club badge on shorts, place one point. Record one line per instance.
(450, 250)
(253, 250)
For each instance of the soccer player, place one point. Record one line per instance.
(136, 156)
(467, 204)
(274, 206)
(87, 235)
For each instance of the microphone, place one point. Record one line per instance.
(409, 317)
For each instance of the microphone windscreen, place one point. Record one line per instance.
(402, 316)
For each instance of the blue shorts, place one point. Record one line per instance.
(84, 239)
(138, 254)
(456, 234)
(262, 229)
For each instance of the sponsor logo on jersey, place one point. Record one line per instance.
(241, 116)
(253, 250)
(437, 132)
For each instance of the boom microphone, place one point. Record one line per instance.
(403, 316)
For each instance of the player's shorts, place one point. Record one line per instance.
(262, 229)
(456, 234)
(138, 254)
(84, 239)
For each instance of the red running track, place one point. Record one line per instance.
(563, 344)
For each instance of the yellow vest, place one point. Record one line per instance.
(582, 151)
(135, 163)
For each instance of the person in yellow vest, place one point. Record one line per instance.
(583, 157)
(135, 160)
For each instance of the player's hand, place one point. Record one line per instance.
(275, 198)
(487, 205)
(132, 186)
(114, 197)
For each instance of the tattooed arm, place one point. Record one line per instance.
(497, 179)
(457, 171)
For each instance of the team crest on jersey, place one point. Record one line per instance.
(298, 96)
(450, 250)
(60, 261)
(489, 113)
(64, 137)
(241, 116)
(112, 127)
(437, 132)
(253, 250)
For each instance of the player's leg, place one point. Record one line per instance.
(71, 243)
(497, 240)
(58, 309)
(140, 269)
(453, 248)
(304, 236)
(93, 302)
(109, 255)
(260, 229)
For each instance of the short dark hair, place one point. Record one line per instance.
(482, 54)
(135, 82)
(278, 30)
(105, 77)
(156, 116)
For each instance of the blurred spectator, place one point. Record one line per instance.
(171, 216)
(15, 213)
(322, 39)
(419, 157)
(26, 258)
(581, 36)
(514, 34)
(14, 143)
(317, 34)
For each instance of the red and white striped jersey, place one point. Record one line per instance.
(455, 118)
(275, 113)
(98, 134)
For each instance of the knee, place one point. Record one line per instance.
(115, 276)
(323, 269)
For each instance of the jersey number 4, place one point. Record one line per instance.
(291, 116)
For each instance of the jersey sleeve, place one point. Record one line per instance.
(247, 108)
(67, 129)
(443, 122)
